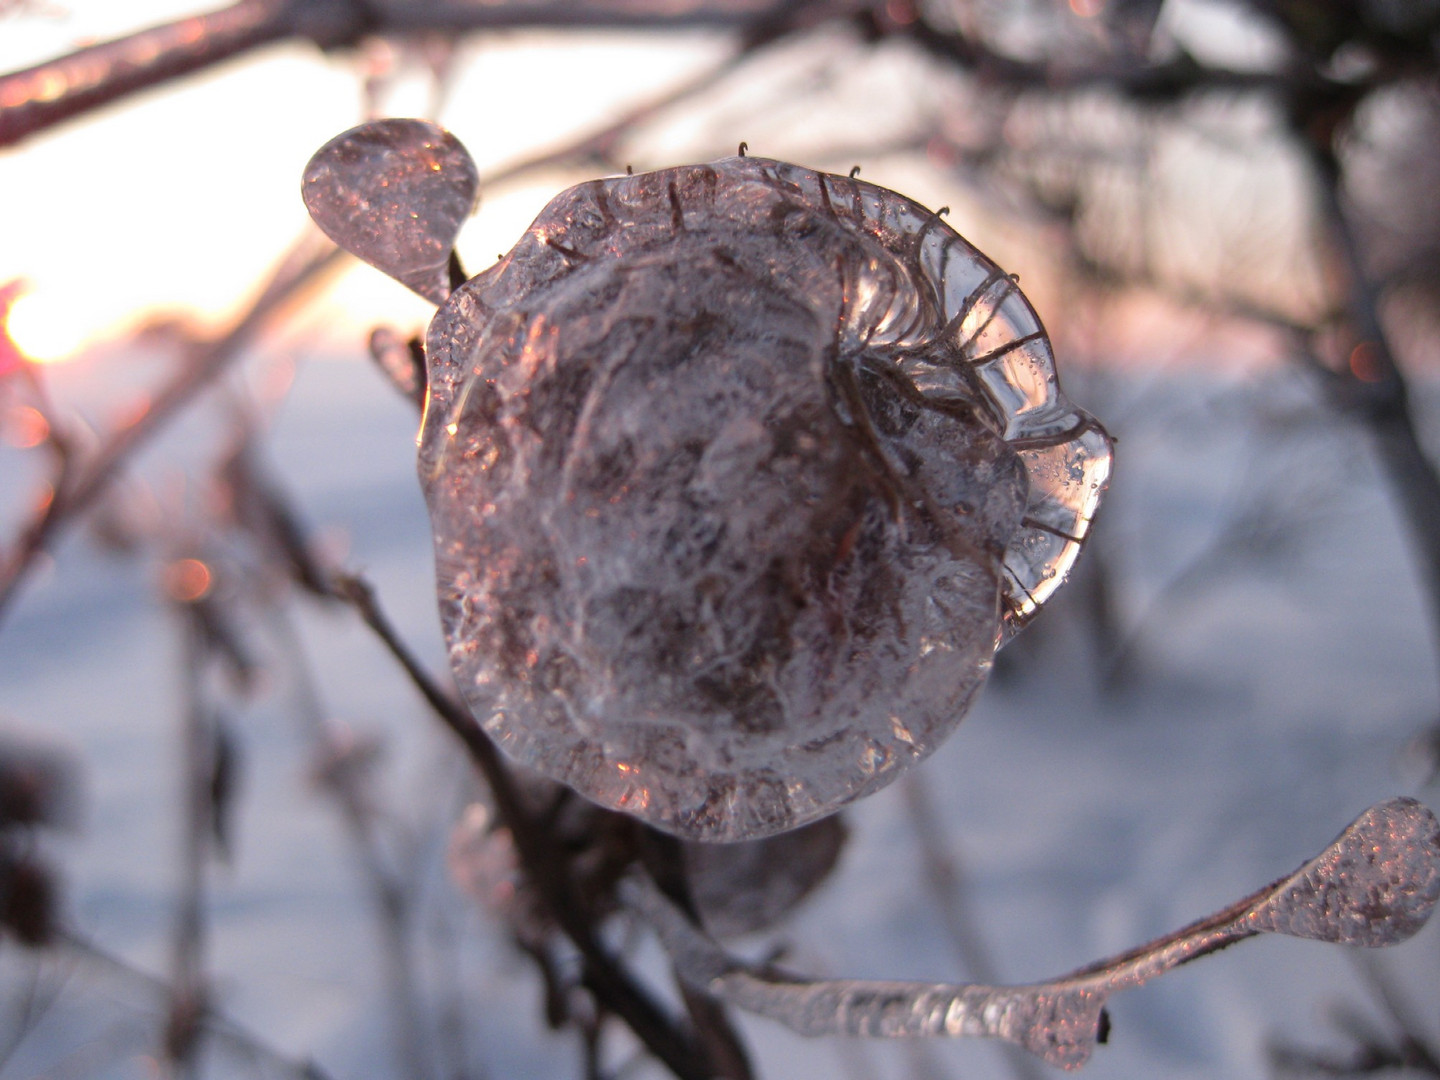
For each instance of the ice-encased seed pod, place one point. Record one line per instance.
(738, 473)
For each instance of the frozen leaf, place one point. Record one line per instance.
(737, 474)
(745, 887)
(395, 193)
(1375, 885)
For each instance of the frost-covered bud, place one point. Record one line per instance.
(738, 473)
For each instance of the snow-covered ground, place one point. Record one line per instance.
(1268, 703)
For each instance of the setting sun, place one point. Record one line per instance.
(45, 328)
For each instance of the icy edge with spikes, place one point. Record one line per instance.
(1376, 885)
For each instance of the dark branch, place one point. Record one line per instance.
(544, 864)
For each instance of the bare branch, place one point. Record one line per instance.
(1381, 400)
(180, 1042)
(216, 1023)
(545, 866)
(1371, 1051)
(42, 96)
(341, 778)
(598, 147)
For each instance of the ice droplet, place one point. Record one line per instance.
(395, 193)
(1375, 885)
(730, 466)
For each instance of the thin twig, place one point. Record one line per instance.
(389, 898)
(34, 1003)
(1371, 1051)
(543, 863)
(188, 991)
(1415, 1049)
(1382, 400)
(1260, 521)
(1141, 80)
(597, 148)
(942, 875)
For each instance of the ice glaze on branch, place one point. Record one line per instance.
(1376, 885)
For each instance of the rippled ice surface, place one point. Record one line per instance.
(1271, 712)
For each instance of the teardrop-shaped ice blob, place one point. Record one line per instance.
(737, 472)
(395, 194)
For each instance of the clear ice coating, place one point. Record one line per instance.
(738, 473)
(1376, 885)
(395, 194)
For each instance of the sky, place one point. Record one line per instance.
(179, 199)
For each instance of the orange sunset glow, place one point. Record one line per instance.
(174, 203)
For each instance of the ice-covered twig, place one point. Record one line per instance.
(1375, 885)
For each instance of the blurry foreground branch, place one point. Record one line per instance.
(38, 98)
(80, 483)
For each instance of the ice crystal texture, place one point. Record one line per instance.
(738, 472)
